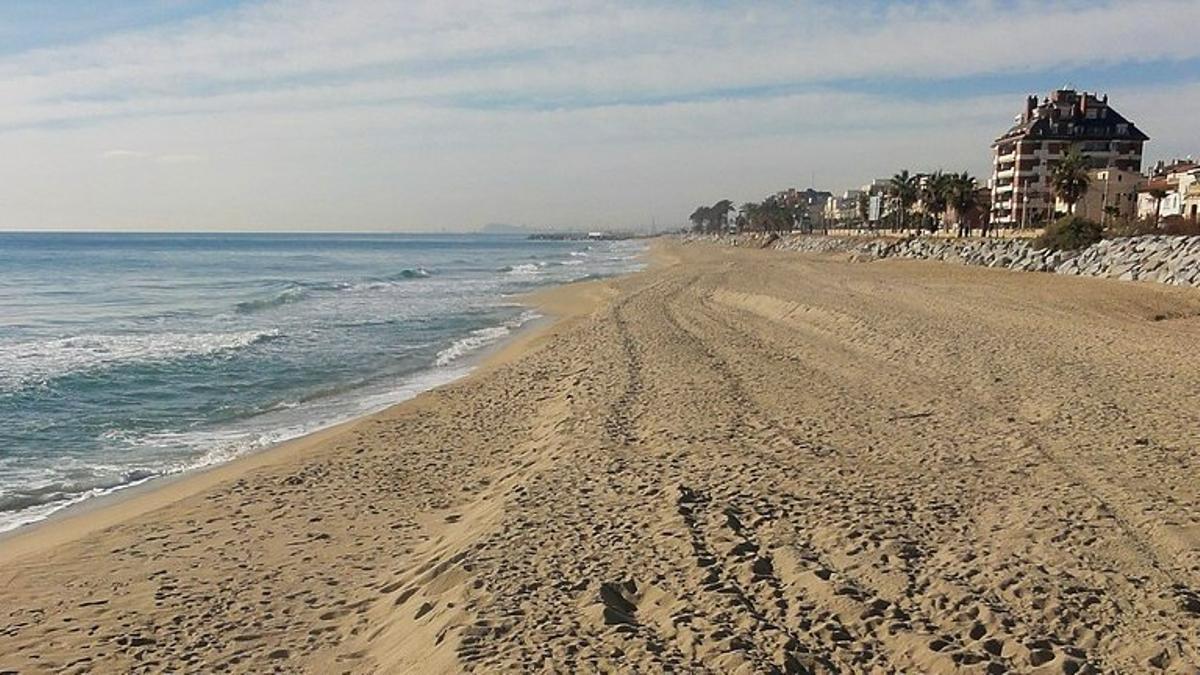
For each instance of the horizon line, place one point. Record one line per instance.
(218, 231)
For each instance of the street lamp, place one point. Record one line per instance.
(1104, 201)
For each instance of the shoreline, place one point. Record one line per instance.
(123, 504)
(113, 496)
(740, 461)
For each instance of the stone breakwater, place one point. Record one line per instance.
(1161, 259)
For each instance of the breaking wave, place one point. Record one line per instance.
(480, 338)
(287, 297)
(525, 269)
(299, 291)
(415, 273)
(26, 363)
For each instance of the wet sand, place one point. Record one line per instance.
(737, 461)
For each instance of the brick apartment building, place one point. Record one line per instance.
(1043, 134)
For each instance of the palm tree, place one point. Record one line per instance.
(1069, 179)
(748, 213)
(776, 215)
(903, 188)
(1112, 216)
(935, 194)
(1159, 195)
(720, 214)
(962, 195)
(699, 218)
(863, 206)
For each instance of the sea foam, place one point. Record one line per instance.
(37, 362)
(480, 338)
(127, 358)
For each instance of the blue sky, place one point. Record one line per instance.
(362, 114)
(32, 24)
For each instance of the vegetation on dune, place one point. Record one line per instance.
(1173, 226)
(1069, 233)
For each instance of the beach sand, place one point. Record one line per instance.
(736, 461)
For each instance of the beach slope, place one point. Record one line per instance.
(736, 461)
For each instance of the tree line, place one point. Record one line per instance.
(937, 194)
(712, 219)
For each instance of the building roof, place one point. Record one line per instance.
(1175, 167)
(1066, 115)
(1095, 172)
(1158, 184)
(809, 197)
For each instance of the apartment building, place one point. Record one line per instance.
(844, 208)
(1045, 132)
(812, 204)
(1112, 196)
(877, 199)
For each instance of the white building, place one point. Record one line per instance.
(1171, 191)
(844, 208)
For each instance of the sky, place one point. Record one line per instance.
(348, 115)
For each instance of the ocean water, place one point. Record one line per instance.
(124, 357)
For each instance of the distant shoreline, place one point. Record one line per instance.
(588, 236)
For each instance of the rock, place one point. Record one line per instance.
(1157, 258)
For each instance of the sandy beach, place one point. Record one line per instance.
(735, 461)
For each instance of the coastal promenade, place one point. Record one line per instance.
(735, 461)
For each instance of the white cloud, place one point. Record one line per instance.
(357, 113)
(353, 52)
(124, 154)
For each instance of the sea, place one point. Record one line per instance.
(128, 357)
